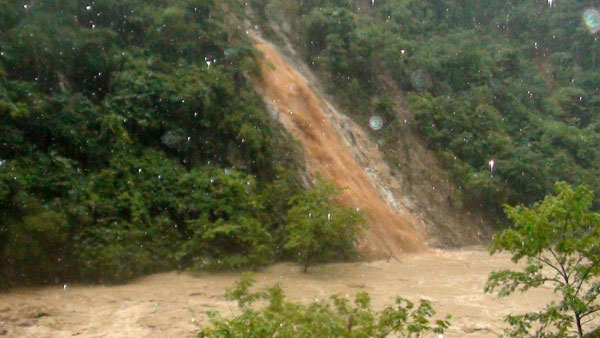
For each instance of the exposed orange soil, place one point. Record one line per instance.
(304, 116)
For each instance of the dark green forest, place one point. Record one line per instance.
(516, 82)
(132, 139)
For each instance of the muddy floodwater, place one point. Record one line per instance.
(175, 305)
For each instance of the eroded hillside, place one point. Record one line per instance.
(339, 149)
(307, 118)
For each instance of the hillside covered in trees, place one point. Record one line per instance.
(132, 139)
(516, 82)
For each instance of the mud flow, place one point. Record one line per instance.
(306, 118)
(175, 305)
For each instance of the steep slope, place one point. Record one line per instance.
(331, 153)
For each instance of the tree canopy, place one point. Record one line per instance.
(319, 228)
(133, 141)
(511, 81)
(560, 240)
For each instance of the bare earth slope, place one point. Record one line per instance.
(174, 305)
(393, 228)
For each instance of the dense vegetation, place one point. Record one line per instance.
(132, 141)
(317, 230)
(282, 318)
(511, 81)
(559, 238)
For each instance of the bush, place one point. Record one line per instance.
(319, 228)
(560, 240)
(338, 318)
(114, 118)
(37, 245)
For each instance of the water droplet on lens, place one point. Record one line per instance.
(376, 123)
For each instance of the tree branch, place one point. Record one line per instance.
(585, 276)
(543, 260)
(585, 314)
(564, 273)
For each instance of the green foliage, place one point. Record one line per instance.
(480, 86)
(228, 230)
(338, 318)
(37, 243)
(560, 240)
(319, 228)
(118, 120)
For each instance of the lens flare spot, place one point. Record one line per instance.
(375, 123)
(421, 80)
(591, 18)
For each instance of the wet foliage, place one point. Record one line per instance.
(132, 141)
(559, 240)
(336, 318)
(319, 229)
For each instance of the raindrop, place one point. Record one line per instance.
(591, 17)
(375, 123)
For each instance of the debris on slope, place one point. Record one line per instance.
(337, 155)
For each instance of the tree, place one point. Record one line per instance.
(320, 228)
(283, 318)
(560, 240)
(118, 120)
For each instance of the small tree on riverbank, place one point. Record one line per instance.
(319, 228)
(560, 240)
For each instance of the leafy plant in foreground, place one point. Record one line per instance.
(560, 240)
(280, 318)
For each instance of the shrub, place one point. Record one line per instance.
(338, 318)
(320, 228)
(560, 240)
